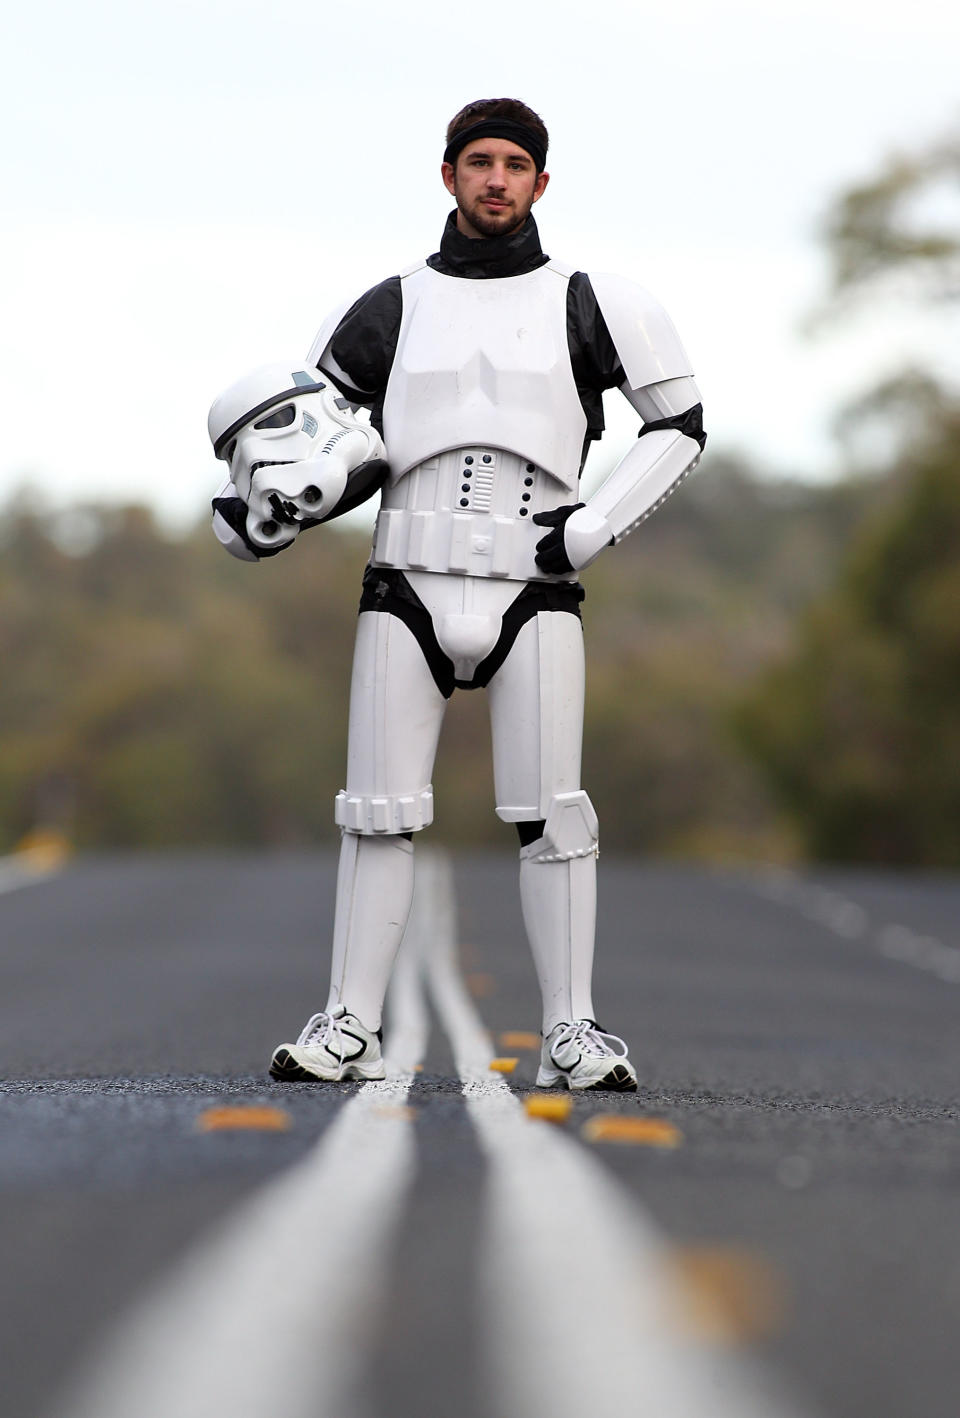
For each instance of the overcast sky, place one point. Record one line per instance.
(189, 186)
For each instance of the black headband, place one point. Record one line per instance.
(518, 133)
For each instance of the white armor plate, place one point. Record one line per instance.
(469, 511)
(642, 331)
(485, 362)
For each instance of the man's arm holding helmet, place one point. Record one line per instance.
(647, 360)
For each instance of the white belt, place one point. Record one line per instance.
(468, 511)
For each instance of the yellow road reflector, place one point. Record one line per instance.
(519, 1039)
(615, 1127)
(418, 1068)
(43, 850)
(244, 1116)
(727, 1294)
(502, 1065)
(480, 985)
(551, 1110)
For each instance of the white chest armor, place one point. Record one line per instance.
(485, 363)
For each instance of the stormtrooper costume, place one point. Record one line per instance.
(483, 369)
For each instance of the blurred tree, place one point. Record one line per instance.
(155, 692)
(900, 228)
(858, 727)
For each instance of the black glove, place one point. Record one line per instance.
(551, 553)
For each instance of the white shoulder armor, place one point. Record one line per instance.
(326, 332)
(642, 331)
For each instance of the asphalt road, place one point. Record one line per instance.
(800, 1033)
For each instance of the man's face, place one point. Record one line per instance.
(495, 183)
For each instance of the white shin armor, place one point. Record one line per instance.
(374, 894)
(558, 896)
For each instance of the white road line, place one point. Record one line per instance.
(20, 870)
(850, 921)
(581, 1310)
(270, 1314)
(267, 1316)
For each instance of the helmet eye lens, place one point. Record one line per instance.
(280, 418)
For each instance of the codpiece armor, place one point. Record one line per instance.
(483, 369)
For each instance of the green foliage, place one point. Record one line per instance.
(153, 693)
(859, 727)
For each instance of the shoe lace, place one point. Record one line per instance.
(324, 1029)
(590, 1039)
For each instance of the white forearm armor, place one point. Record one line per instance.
(643, 479)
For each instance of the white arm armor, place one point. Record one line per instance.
(659, 385)
(643, 479)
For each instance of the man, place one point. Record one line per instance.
(483, 368)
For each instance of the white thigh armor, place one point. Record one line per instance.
(396, 712)
(536, 715)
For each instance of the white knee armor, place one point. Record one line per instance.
(571, 831)
(558, 896)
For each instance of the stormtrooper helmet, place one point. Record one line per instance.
(269, 418)
(293, 444)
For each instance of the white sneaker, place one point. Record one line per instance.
(580, 1055)
(331, 1047)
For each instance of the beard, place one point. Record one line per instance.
(494, 223)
